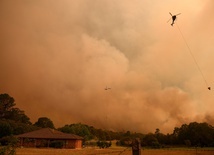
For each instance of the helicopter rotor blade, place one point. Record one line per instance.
(170, 13)
(168, 20)
(178, 14)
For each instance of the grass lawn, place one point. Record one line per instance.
(112, 151)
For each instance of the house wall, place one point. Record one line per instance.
(70, 144)
(78, 144)
(74, 144)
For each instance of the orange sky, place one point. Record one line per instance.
(57, 57)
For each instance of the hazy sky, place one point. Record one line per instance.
(56, 58)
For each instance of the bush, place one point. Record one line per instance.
(7, 150)
(56, 144)
(125, 141)
(90, 144)
(9, 140)
(187, 142)
(103, 144)
(156, 145)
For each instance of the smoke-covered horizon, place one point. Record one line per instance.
(56, 58)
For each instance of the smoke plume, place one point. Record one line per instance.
(56, 58)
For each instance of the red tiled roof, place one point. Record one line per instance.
(48, 133)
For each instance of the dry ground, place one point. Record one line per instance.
(112, 151)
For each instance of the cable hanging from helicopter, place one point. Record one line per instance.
(173, 18)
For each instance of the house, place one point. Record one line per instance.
(47, 137)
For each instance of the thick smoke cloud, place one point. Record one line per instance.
(56, 58)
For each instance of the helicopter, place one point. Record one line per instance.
(107, 88)
(173, 18)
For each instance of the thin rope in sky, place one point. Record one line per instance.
(190, 51)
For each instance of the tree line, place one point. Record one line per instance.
(14, 121)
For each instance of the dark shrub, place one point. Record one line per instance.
(56, 144)
(103, 144)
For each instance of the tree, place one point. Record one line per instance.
(5, 129)
(162, 139)
(11, 127)
(6, 104)
(151, 140)
(157, 131)
(44, 122)
(7, 110)
(18, 115)
(195, 134)
(78, 129)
